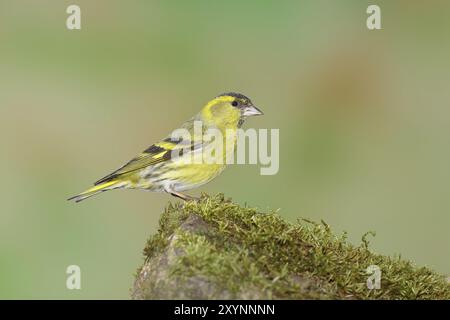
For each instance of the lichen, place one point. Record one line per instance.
(217, 249)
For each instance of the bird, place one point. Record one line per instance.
(174, 164)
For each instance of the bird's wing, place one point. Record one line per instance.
(157, 153)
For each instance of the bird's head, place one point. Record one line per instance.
(229, 109)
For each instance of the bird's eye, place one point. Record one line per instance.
(234, 103)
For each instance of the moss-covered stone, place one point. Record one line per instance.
(215, 249)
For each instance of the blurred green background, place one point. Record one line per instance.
(364, 121)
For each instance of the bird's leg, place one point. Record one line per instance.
(183, 196)
(180, 195)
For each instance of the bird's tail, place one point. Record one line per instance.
(109, 185)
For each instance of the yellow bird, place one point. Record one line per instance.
(176, 163)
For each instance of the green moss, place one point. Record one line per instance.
(241, 250)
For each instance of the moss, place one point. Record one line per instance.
(242, 253)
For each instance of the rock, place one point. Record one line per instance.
(215, 249)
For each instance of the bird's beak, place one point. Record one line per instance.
(252, 111)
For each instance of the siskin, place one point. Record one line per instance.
(172, 165)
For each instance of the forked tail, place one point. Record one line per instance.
(98, 189)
